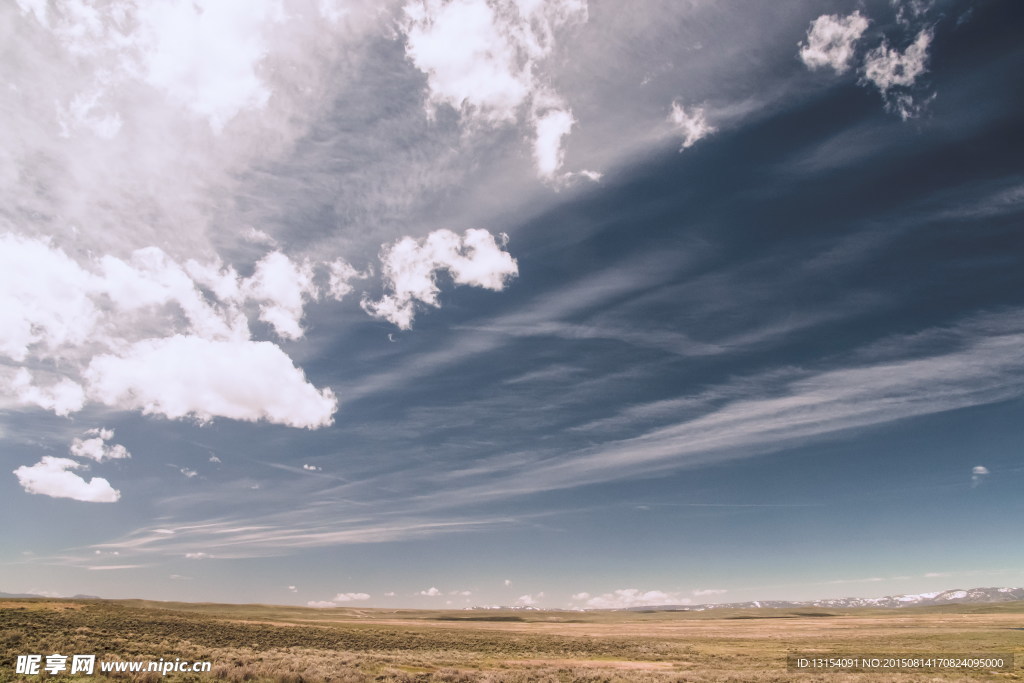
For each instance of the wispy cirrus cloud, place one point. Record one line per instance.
(793, 408)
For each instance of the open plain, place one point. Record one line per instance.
(274, 643)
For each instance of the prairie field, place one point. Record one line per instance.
(268, 643)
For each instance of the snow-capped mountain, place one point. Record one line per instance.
(973, 595)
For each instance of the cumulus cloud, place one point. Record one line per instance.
(470, 56)
(551, 128)
(893, 72)
(887, 67)
(431, 592)
(189, 474)
(978, 474)
(337, 600)
(831, 41)
(293, 589)
(630, 597)
(508, 582)
(700, 592)
(341, 275)
(410, 269)
(123, 97)
(529, 600)
(311, 468)
(257, 236)
(44, 298)
(321, 604)
(483, 58)
(691, 123)
(188, 376)
(487, 60)
(62, 397)
(146, 333)
(50, 477)
(202, 55)
(349, 597)
(96, 447)
(282, 287)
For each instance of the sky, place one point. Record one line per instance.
(549, 303)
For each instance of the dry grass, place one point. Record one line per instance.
(293, 644)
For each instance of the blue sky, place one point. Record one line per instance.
(537, 303)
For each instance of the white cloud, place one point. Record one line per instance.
(341, 274)
(96, 448)
(321, 604)
(887, 67)
(50, 477)
(214, 459)
(691, 123)
(431, 592)
(282, 287)
(63, 397)
(187, 376)
(336, 600)
(189, 474)
(831, 39)
(551, 128)
(630, 597)
(44, 298)
(909, 10)
(529, 600)
(410, 270)
(205, 55)
(978, 474)
(151, 280)
(104, 322)
(508, 582)
(709, 591)
(311, 468)
(801, 407)
(257, 236)
(293, 589)
(350, 597)
(892, 72)
(478, 56)
(196, 556)
(487, 60)
(389, 594)
(470, 58)
(81, 114)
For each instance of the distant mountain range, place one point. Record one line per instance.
(974, 595)
(32, 595)
(950, 597)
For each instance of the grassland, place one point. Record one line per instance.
(266, 643)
